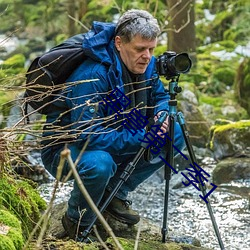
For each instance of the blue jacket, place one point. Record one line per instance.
(86, 116)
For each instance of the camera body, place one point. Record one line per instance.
(171, 65)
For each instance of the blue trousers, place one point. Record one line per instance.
(99, 170)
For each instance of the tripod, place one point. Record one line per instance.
(173, 90)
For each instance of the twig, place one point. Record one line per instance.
(137, 236)
(99, 238)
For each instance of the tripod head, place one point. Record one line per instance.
(174, 89)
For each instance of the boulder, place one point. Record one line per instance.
(231, 139)
(231, 169)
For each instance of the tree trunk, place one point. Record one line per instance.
(181, 27)
(83, 7)
(71, 6)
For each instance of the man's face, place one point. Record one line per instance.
(137, 53)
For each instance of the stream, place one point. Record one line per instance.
(187, 212)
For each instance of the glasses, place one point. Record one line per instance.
(124, 24)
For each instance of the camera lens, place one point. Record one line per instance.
(182, 63)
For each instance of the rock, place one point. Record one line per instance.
(188, 95)
(149, 238)
(231, 139)
(231, 169)
(197, 125)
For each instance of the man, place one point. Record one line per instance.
(121, 67)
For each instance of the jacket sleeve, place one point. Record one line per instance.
(89, 120)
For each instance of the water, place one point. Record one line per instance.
(187, 212)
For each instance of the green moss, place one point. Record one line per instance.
(9, 219)
(16, 61)
(13, 239)
(220, 131)
(6, 243)
(16, 237)
(212, 100)
(21, 199)
(128, 244)
(236, 125)
(225, 75)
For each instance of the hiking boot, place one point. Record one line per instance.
(121, 211)
(75, 231)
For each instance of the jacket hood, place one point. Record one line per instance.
(98, 43)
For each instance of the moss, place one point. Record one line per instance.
(235, 125)
(6, 243)
(214, 101)
(13, 239)
(13, 71)
(16, 237)
(9, 219)
(220, 132)
(128, 244)
(225, 75)
(21, 199)
(16, 61)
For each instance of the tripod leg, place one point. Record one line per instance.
(202, 187)
(170, 161)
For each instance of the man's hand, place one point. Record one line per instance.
(165, 125)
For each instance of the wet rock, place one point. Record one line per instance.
(231, 169)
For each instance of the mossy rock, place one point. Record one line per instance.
(128, 244)
(11, 237)
(22, 200)
(231, 139)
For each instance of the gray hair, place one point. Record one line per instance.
(137, 22)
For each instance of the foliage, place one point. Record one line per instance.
(242, 84)
(228, 23)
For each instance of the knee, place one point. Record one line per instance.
(98, 165)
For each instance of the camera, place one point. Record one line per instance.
(171, 65)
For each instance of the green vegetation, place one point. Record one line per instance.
(22, 201)
(11, 237)
(221, 133)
